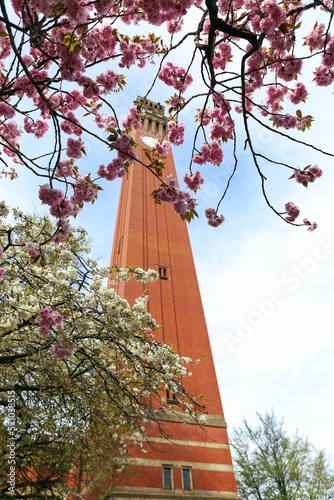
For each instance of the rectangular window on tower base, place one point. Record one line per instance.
(186, 479)
(167, 477)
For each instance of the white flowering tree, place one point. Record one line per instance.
(243, 68)
(79, 367)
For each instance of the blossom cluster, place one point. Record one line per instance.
(124, 274)
(176, 132)
(181, 200)
(221, 130)
(292, 211)
(126, 154)
(145, 276)
(175, 76)
(309, 174)
(311, 226)
(213, 218)
(61, 207)
(60, 350)
(209, 153)
(194, 181)
(133, 119)
(50, 318)
(162, 148)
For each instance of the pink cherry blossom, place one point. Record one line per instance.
(176, 132)
(311, 226)
(90, 88)
(181, 200)
(176, 103)
(308, 175)
(63, 209)
(128, 55)
(209, 153)
(193, 181)
(315, 39)
(328, 55)
(289, 68)
(6, 110)
(162, 148)
(213, 218)
(71, 125)
(183, 203)
(24, 86)
(50, 196)
(2, 273)
(175, 76)
(106, 122)
(133, 119)
(204, 116)
(223, 55)
(315, 171)
(222, 130)
(64, 169)
(166, 195)
(175, 25)
(168, 192)
(100, 42)
(286, 121)
(74, 148)
(67, 80)
(275, 94)
(108, 81)
(34, 251)
(292, 211)
(60, 351)
(299, 94)
(63, 231)
(48, 319)
(84, 191)
(113, 170)
(323, 76)
(38, 128)
(74, 99)
(125, 146)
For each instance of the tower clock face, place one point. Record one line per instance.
(149, 141)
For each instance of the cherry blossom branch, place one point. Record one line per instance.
(54, 47)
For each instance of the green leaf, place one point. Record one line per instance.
(72, 42)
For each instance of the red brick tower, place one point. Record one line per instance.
(194, 463)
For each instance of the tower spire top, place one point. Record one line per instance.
(155, 122)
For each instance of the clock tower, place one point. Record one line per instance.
(193, 461)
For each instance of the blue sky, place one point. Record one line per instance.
(267, 287)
